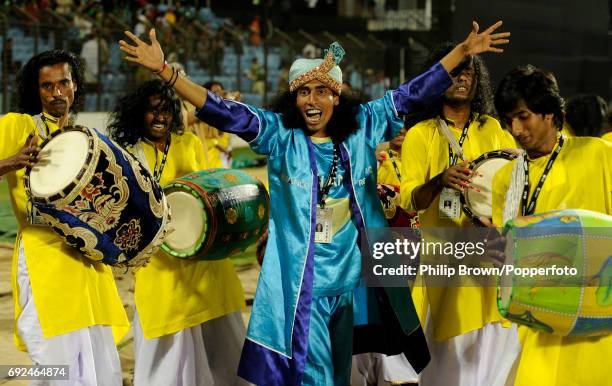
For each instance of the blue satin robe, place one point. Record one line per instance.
(276, 346)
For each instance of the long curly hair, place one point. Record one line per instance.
(28, 97)
(343, 121)
(126, 122)
(483, 96)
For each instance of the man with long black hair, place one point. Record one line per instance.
(322, 169)
(188, 327)
(458, 127)
(67, 309)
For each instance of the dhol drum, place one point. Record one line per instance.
(215, 213)
(396, 216)
(478, 202)
(569, 253)
(97, 197)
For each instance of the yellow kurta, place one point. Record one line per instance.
(607, 136)
(214, 154)
(171, 293)
(386, 172)
(70, 292)
(454, 310)
(581, 178)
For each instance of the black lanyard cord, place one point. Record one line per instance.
(529, 209)
(323, 191)
(397, 171)
(157, 172)
(453, 158)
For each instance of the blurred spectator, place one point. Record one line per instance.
(257, 76)
(586, 114)
(63, 7)
(255, 32)
(95, 54)
(310, 51)
(142, 26)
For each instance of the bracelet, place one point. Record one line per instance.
(175, 79)
(163, 67)
(171, 76)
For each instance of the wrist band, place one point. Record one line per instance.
(163, 67)
(171, 76)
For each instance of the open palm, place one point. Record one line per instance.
(486, 41)
(150, 56)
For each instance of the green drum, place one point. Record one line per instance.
(215, 213)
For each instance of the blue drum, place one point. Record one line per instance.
(97, 197)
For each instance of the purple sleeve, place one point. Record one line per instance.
(230, 117)
(422, 90)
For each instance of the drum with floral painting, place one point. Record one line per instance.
(97, 197)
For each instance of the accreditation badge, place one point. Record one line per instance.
(323, 226)
(450, 204)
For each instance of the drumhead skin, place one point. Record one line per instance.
(62, 159)
(480, 203)
(188, 222)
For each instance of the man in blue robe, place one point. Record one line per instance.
(310, 313)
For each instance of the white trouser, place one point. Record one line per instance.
(479, 358)
(373, 369)
(203, 355)
(89, 352)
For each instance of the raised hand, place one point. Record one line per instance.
(26, 156)
(486, 41)
(150, 56)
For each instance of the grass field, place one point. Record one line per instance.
(8, 224)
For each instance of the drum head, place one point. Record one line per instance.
(475, 203)
(188, 222)
(61, 160)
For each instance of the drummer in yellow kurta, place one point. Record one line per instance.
(188, 326)
(67, 309)
(579, 177)
(464, 328)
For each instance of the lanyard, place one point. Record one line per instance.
(527, 210)
(158, 172)
(452, 158)
(397, 172)
(324, 190)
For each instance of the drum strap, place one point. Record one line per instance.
(455, 148)
(527, 210)
(41, 124)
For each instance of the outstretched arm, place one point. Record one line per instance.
(427, 87)
(152, 57)
(228, 116)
